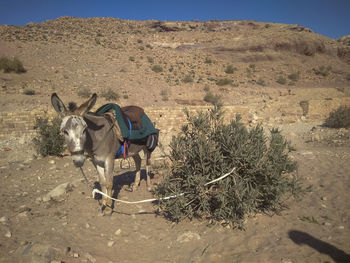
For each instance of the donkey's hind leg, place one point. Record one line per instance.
(148, 169)
(137, 160)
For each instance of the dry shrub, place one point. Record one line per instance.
(14, 65)
(339, 118)
(49, 140)
(205, 149)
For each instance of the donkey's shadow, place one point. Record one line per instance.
(124, 179)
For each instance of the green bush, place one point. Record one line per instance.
(14, 65)
(48, 141)
(204, 150)
(211, 98)
(323, 70)
(84, 92)
(157, 68)
(339, 118)
(110, 95)
(294, 76)
(187, 79)
(230, 69)
(281, 80)
(224, 82)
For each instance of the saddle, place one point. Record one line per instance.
(134, 124)
(133, 114)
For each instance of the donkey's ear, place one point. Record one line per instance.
(87, 106)
(58, 104)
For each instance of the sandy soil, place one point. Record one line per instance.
(70, 228)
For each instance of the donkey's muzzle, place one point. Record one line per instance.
(78, 158)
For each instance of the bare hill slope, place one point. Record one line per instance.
(167, 63)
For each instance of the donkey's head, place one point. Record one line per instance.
(73, 125)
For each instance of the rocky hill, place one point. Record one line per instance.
(167, 63)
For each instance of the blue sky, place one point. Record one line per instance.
(327, 17)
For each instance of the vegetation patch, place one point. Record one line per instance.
(230, 69)
(224, 82)
(211, 98)
(110, 95)
(339, 118)
(157, 68)
(323, 70)
(11, 65)
(49, 140)
(281, 80)
(206, 149)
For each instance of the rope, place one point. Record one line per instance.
(94, 191)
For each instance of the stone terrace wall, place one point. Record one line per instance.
(20, 124)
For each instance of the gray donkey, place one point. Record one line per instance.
(86, 132)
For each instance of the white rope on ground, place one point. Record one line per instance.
(94, 191)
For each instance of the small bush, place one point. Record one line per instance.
(14, 65)
(304, 104)
(48, 141)
(261, 82)
(187, 79)
(211, 98)
(110, 95)
(294, 76)
(323, 70)
(224, 82)
(230, 69)
(206, 149)
(150, 60)
(208, 60)
(84, 92)
(281, 80)
(165, 94)
(132, 59)
(339, 118)
(157, 68)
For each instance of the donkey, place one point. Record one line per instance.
(86, 132)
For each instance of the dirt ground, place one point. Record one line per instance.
(274, 68)
(69, 228)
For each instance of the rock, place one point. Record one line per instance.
(188, 236)
(324, 198)
(87, 225)
(118, 232)
(52, 162)
(57, 192)
(23, 208)
(8, 234)
(75, 255)
(4, 220)
(341, 227)
(110, 243)
(315, 137)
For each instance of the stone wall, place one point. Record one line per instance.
(170, 119)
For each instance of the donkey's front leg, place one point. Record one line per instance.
(106, 181)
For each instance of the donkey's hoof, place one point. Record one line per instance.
(106, 211)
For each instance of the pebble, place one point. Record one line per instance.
(8, 234)
(110, 243)
(188, 236)
(341, 227)
(52, 162)
(87, 225)
(118, 232)
(323, 198)
(75, 255)
(4, 220)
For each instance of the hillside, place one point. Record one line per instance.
(166, 63)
